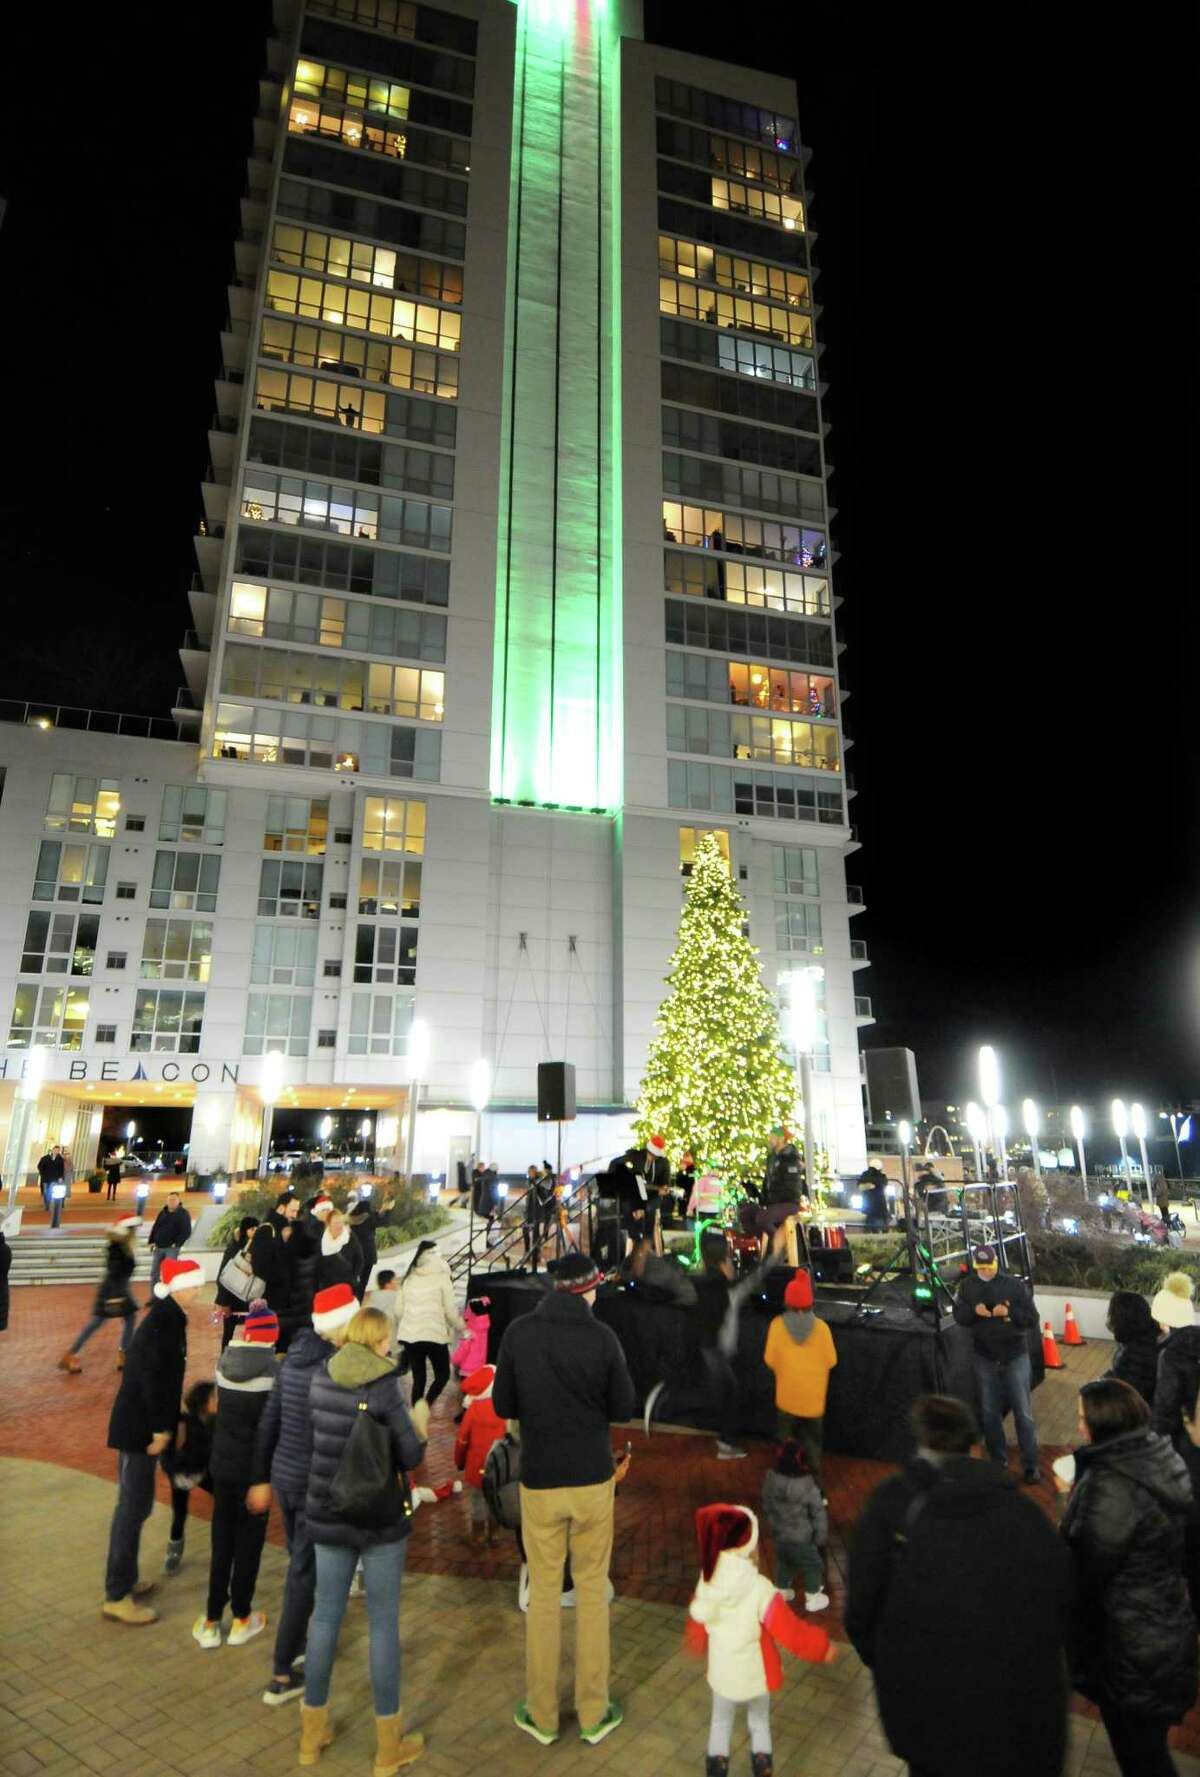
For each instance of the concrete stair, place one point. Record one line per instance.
(57, 1256)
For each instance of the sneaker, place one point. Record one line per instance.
(816, 1601)
(174, 1556)
(612, 1718)
(652, 1400)
(282, 1690)
(1032, 1477)
(206, 1633)
(787, 1593)
(523, 1588)
(729, 1452)
(523, 1720)
(244, 1629)
(128, 1611)
(762, 1764)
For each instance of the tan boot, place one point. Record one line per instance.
(70, 1363)
(315, 1733)
(394, 1750)
(125, 1610)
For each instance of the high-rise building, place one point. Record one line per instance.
(515, 578)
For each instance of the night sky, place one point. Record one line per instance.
(1010, 351)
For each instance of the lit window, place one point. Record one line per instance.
(70, 872)
(392, 825)
(294, 823)
(48, 1017)
(83, 805)
(167, 1022)
(689, 839)
(177, 950)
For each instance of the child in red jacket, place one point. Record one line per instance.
(480, 1429)
(740, 1619)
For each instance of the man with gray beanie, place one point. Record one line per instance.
(562, 1374)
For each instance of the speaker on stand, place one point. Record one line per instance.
(556, 1104)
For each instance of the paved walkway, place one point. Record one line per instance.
(80, 1694)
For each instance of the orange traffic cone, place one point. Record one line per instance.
(1071, 1333)
(1050, 1357)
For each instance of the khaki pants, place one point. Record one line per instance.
(555, 1521)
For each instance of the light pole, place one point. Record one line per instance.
(989, 1089)
(418, 1063)
(976, 1126)
(904, 1132)
(1077, 1132)
(480, 1089)
(1137, 1119)
(1029, 1113)
(1177, 1129)
(270, 1084)
(802, 1021)
(1000, 1126)
(324, 1131)
(1120, 1123)
(21, 1127)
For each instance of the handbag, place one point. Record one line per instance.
(366, 1490)
(239, 1280)
(117, 1307)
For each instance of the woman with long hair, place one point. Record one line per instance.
(114, 1298)
(1135, 1359)
(428, 1320)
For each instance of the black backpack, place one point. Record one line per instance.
(366, 1490)
(502, 1482)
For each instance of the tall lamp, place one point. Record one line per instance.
(418, 1064)
(270, 1084)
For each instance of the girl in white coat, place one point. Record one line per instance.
(428, 1320)
(742, 1620)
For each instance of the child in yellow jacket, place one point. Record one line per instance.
(800, 1351)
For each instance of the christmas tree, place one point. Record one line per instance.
(716, 1080)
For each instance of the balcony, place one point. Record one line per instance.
(862, 1009)
(854, 894)
(49, 715)
(858, 950)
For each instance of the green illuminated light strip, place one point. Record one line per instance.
(556, 692)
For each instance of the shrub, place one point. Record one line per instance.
(411, 1216)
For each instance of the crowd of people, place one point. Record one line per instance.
(964, 1599)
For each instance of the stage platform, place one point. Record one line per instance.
(885, 1360)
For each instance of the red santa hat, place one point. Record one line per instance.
(657, 1144)
(799, 1292)
(722, 1527)
(322, 1206)
(479, 1382)
(176, 1275)
(333, 1308)
(127, 1224)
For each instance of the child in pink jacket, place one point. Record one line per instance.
(471, 1352)
(741, 1620)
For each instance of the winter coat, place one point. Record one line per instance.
(5, 1268)
(233, 1247)
(743, 1616)
(340, 1261)
(333, 1397)
(801, 1352)
(366, 1223)
(119, 1264)
(428, 1312)
(963, 1620)
(1175, 1390)
(563, 1375)
(304, 1249)
(1000, 1340)
(283, 1441)
(1133, 1636)
(483, 1193)
(793, 1509)
(472, 1349)
(172, 1227)
(147, 1401)
(186, 1462)
(783, 1182)
(481, 1427)
(245, 1379)
(1136, 1362)
(539, 1199)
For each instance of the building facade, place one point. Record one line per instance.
(515, 578)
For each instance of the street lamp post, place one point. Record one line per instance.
(802, 1020)
(1120, 1123)
(21, 1127)
(481, 1087)
(989, 1090)
(1077, 1132)
(324, 1131)
(904, 1131)
(1172, 1118)
(1137, 1119)
(418, 1062)
(270, 1083)
(1029, 1113)
(1000, 1128)
(976, 1125)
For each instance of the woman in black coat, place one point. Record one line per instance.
(114, 1298)
(1135, 1359)
(339, 1257)
(1132, 1643)
(239, 1242)
(1175, 1397)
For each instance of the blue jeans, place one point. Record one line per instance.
(135, 1502)
(161, 1253)
(383, 1570)
(128, 1326)
(1002, 1385)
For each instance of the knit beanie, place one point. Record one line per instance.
(799, 1292)
(334, 1308)
(722, 1527)
(576, 1274)
(1173, 1306)
(261, 1325)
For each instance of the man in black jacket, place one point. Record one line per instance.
(172, 1229)
(999, 1310)
(142, 1425)
(958, 1598)
(562, 1374)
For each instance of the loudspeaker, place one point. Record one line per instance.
(832, 1264)
(556, 1092)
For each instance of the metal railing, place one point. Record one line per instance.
(560, 1224)
(52, 715)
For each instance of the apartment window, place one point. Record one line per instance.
(724, 349)
(327, 1039)
(332, 971)
(725, 114)
(385, 574)
(60, 944)
(135, 823)
(177, 950)
(278, 444)
(403, 19)
(414, 146)
(774, 688)
(380, 1023)
(337, 904)
(698, 479)
(83, 805)
(770, 795)
(126, 891)
(288, 888)
(689, 839)
(692, 302)
(707, 528)
(192, 814)
(167, 1022)
(185, 881)
(70, 872)
(383, 518)
(284, 956)
(333, 684)
(781, 208)
(794, 870)
(296, 823)
(746, 583)
(722, 227)
(726, 629)
(798, 927)
(367, 311)
(420, 369)
(106, 1033)
(277, 1023)
(276, 737)
(385, 955)
(393, 825)
(115, 959)
(384, 221)
(362, 262)
(756, 400)
(774, 740)
(48, 1017)
(718, 436)
(389, 888)
(749, 277)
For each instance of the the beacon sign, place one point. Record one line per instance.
(60, 1068)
